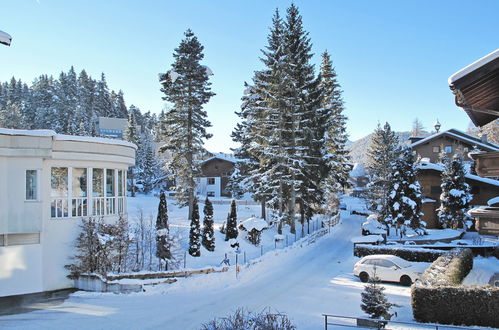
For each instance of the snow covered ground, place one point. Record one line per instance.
(483, 270)
(302, 281)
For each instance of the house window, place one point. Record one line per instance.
(59, 192)
(436, 149)
(211, 180)
(31, 185)
(210, 194)
(448, 149)
(436, 190)
(79, 200)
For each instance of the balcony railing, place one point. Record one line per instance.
(80, 207)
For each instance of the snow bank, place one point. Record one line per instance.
(482, 271)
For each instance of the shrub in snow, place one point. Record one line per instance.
(374, 302)
(231, 228)
(404, 197)
(162, 233)
(254, 236)
(208, 239)
(244, 320)
(195, 232)
(455, 197)
(409, 254)
(100, 247)
(438, 298)
(449, 269)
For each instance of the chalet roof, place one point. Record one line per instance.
(469, 176)
(461, 136)
(222, 156)
(476, 88)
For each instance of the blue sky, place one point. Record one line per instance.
(393, 58)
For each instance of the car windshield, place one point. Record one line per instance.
(402, 263)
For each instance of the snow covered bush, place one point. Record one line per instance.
(374, 301)
(231, 229)
(208, 239)
(409, 254)
(241, 319)
(438, 298)
(456, 195)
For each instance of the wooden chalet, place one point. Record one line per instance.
(476, 90)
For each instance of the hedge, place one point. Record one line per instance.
(438, 298)
(409, 254)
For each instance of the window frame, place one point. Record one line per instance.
(208, 180)
(37, 185)
(448, 147)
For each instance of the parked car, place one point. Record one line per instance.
(388, 268)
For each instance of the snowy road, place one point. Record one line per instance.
(302, 282)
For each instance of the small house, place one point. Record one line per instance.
(215, 174)
(48, 183)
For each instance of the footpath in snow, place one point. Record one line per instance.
(303, 282)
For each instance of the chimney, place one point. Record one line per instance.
(484, 138)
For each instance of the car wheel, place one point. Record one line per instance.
(405, 280)
(364, 277)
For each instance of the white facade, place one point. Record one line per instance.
(209, 186)
(48, 183)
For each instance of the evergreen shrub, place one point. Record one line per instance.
(438, 296)
(409, 254)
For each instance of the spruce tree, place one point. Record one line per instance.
(231, 229)
(374, 302)
(162, 231)
(103, 106)
(208, 239)
(456, 196)
(404, 193)
(382, 153)
(187, 88)
(195, 232)
(131, 135)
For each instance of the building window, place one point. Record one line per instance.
(59, 192)
(210, 194)
(31, 185)
(110, 192)
(211, 180)
(436, 190)
(79, 200)
(448, 149)
(436, 149)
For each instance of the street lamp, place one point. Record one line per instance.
(5, 38)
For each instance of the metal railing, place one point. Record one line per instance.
(357, 322)
(80, 206)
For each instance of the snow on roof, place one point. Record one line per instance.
(473, 66)
(254, 223)
(5, 38)
(358, 170)
(493, 201)
(223, 156)
(62, 137)
(460, 136)
(440, 168)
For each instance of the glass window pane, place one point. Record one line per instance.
(110, 183)
(31, 183)
(98, 182)
(59, 182)
(79, 182)
(120, 183)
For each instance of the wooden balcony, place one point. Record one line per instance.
(487, 220)
(487, 163)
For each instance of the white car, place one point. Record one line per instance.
(388, 268)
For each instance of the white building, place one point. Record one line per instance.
(48, 183)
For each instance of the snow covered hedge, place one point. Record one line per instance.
(409, 254)
(438, 298)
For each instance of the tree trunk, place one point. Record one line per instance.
(264, 214)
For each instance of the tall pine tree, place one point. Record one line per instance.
(456, 196)
(404, 193)
(187, 88)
